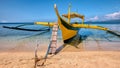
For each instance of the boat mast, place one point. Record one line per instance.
(69, 13)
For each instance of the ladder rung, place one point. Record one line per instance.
(52, 47)
(54, 35)
(55, 30)
(54, 40)
(55, 24)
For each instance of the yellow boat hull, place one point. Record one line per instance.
(68, 31)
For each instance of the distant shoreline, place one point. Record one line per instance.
(19, 23)
(32, 23)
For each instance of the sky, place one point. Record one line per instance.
(43, 10)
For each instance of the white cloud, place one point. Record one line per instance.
(96, 18)
(113, 16)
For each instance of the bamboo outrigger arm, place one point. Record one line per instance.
(45, 23)
(89, 26)
(26, 29)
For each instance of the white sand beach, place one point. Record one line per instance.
(84, 59)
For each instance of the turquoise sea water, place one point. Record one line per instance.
(10, 39)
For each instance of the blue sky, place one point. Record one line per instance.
(43, 10)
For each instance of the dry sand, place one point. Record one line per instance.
(83, 59)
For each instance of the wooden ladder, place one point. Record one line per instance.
(52, 46)
(53, 41)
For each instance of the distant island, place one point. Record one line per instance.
(104, 22)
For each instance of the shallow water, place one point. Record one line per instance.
(25, 40)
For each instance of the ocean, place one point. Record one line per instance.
(27, 40)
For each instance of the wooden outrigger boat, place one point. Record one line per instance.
(70, 30)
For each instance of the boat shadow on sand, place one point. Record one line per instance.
(79, 38)
(75, 42)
